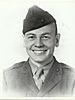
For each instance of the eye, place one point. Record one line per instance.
(31, 37)
(46, 37)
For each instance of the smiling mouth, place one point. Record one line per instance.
(39, 51)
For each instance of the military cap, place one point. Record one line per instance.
(36, 18)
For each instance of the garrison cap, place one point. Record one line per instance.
(36, 18)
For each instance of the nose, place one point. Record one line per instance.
(38, 43)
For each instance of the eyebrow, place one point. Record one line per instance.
(41, 34)
(30, 34)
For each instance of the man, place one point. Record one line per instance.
(41, 75)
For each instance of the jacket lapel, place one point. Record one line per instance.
(30, 81)
(52, 79)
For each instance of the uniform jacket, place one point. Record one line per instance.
(60, 81)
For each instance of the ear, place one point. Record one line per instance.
(57, 40)
(24, 44)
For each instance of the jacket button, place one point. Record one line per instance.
(57, 69)
(42, 20)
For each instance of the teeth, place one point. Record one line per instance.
(38, 52)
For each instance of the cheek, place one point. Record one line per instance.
(29, 44)
(50, 43)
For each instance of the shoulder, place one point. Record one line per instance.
(67, 70)
(66, 67)
(14, 69)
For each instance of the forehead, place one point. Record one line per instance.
(50, 28)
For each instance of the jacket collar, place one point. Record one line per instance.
(52, 79)
(46, 66)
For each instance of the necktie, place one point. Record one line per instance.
(39, 77)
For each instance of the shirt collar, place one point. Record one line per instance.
(34, 67)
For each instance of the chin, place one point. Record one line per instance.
(40, 60)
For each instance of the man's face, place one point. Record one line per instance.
(40, 43)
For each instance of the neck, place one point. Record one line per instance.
(42, 63)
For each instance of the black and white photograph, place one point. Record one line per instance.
(37, 48)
